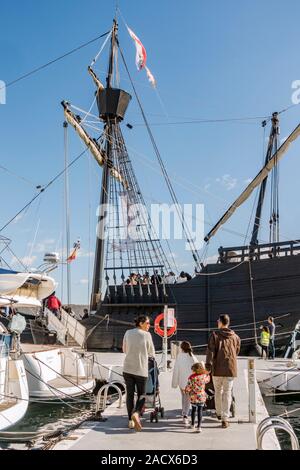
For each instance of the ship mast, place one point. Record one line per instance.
(126, 243)
(257, 181)
(100, 242)
(273, 143)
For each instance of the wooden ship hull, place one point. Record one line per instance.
(274, 290)
(249, 283)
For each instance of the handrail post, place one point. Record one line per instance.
(104, 389)
(165, 341)
(252, 391)
(282, 427)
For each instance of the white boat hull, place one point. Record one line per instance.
(10, 282)
(280, 377)
(25, 289)
(12, 411)
(57, 373)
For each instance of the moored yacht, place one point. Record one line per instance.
(14, 397)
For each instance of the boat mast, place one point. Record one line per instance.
(257, 181)
(274, 133)
(67, 211)
(100, 243)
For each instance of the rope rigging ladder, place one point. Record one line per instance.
(122, 206)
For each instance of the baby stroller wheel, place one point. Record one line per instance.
(162, 412)
(151, 417)
(156, 418)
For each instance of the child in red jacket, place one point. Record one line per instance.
(196, 390)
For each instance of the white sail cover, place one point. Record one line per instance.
(24, 289)
(256, 181)
(10, 281)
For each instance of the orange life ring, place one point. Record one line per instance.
(158, 330)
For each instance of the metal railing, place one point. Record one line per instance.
(257, 252)
(101, 402)
(273, 423)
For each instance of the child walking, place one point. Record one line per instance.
(195, 388)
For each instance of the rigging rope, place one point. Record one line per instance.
(65, 377)
(32, 72)
(203, 121)
(53, 389)
(31, 183)
(163, 169)
(43, 189)
(174, 179)
(101, 49)
(252, 301)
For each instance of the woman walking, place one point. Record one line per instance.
(181, 373)
(138, 347)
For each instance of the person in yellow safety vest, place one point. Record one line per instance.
(265, 341)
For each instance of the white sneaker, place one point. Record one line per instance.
(198, 430)
(186, 421)
(130, 424)
(192, 426)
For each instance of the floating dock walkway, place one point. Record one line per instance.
(169, 433)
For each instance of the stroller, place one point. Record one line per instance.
(152, 398)
(210, 400)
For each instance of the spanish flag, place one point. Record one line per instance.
(73, 254)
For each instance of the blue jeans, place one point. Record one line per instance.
(272, 349)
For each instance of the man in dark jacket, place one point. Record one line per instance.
(222, 350)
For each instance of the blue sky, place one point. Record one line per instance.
(212, 60)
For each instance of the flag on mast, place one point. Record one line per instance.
(150, 77)
(141, 56)
(74, 252)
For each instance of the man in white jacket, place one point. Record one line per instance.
(181, 372)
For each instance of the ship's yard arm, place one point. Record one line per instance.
(99, 85)
(256, 181)
(98, 153)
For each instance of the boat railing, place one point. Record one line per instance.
(74, 328)
(127, 294)
(101, 402)
(258, 252)
(294, 344)
(88, 363)
(275, 423)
